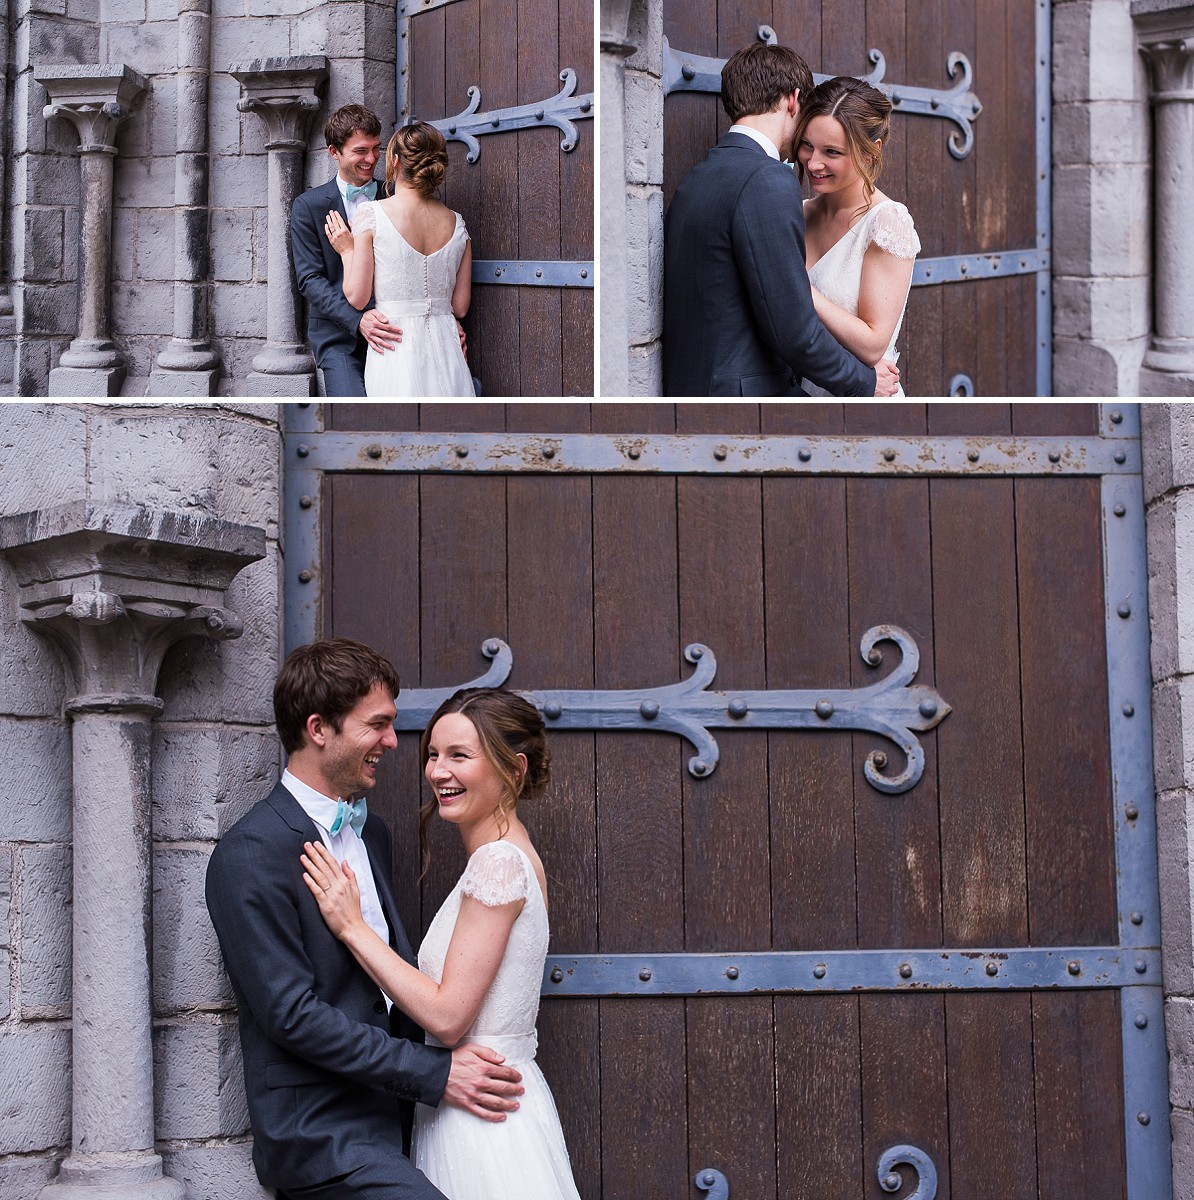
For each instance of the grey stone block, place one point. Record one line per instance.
(155, 246)
(1162, 587)
(1181, 1127)
(219, 681)
(122, 12)
(35, 780)
(44, 955)
(205, 779)
(241, 39)
(645, 30)
(153, 46)
(644, 245)
(50, 309)
(38, 244)
(199, 1089)
(32, 367)
(644, 130)
(144, 182)
(1084, 368)
(224, 122)
(232, 243)
(24, 1178)
(646, 370)
(5, 913)
(124, 244)
(188, 971)
(238, 311)
(241, 182)
(5, 983)
(142, 306)
(46, 178)
(1094, 52)
(215, 1172)
(1179, 1034)
(32, 681)
(1105, 309)
(36, 1116)
(220, 465)
(1173, 853)
(42, 456)
(1160, 384)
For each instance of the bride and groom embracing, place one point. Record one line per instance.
(769, 295)
(331, 1005)
(385, 268)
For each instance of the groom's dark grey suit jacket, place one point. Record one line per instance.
(330, 1084)
(738, 316)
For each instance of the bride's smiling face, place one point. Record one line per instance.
(824, 152)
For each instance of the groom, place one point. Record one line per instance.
(738, 316)
(338, 333)
(331, 1073)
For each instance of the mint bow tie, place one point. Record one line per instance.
(369, 191)
(355, 811)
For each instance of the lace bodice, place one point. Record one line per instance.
(400, 272)
(837, 274)
(498, 873)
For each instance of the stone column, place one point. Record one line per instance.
(615, 324)
(282, 92)
(114, 586)
(189, 366)
(95, 100)
(1165, 32)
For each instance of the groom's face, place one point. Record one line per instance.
(357, 157)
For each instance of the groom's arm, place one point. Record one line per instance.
(768, 239)
(310, 268)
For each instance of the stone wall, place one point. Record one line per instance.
(214, 753)
(358, 39)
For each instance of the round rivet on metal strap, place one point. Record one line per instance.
(1055, 456)
(1074, 967)
(557, 976)
(905, 970)
(992, 969)
(927, 708)
(374, 451)
(1124, 610)
(1129, 710)
(1141, 966)
(819, 971)
(1119, 510)
(719, 453)
(889, 455)
(303, 450)
(1141, 1021)
(738, 707)
(1137, 918)
(1143, 1118)
(804, 454)
(549, 452)
(824, 709)
(645, 974)
(972, 455)
(731, 972)
(1120, 457)
(1131, 812)
(552, 710)
(1117, 417)
(305, 502)
(305, 577)
(634, 452)
(648, 710)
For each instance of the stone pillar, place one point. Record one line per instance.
(114, 586)
(615, 325)
(189, 366)
(1165, 32)
(95, 100)
(282, 92)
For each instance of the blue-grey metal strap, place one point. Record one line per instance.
(528, 273)
(892, 707)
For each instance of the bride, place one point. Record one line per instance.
(481, 963)
(860, 244)
(413, 255)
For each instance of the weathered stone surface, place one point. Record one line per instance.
(23, 1178)
(1179, 1034)
(31, 681)
(5, 909)
(644, 243)
(187, 966)
(35, 1116)
(35, 781)
(204, 779)
(44, 956)
(42, 455)
(219, 1172)
(199, 1088)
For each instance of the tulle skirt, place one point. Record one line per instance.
(427, 362)
(520, 1158)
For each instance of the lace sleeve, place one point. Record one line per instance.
(895, 232)
(365, 218)
(496, 874)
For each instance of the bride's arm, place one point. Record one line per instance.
(882, 294)
(446, 1009)
(462, 292)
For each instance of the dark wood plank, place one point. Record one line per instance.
(1079, 1095)
(550, 583)
(348, 415)
(979, 745)
(640, 895)
(1071, 859)
(904, 1082)
(726, 816)
(992, 1143)
(1055, 420)
(690, 121)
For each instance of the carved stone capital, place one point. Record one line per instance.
(95, 99)
(114, 586)
(283, 93)
(1172, 66)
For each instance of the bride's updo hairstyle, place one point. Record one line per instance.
(864, 114)
(507, 726)
(418, 156)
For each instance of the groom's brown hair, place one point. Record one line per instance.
(757, 77)
(344, 120)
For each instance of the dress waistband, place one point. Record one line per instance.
(515, 1048)
(416, 308)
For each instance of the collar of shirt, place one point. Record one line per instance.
(350, 206)
(315, 804)
(761, 138)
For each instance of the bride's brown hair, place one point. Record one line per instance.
(418, 154)
(864, 114)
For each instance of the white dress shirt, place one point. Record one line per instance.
(346, 846)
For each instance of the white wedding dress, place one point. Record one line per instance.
(837, 274)
(524, 1156)
(415, 291)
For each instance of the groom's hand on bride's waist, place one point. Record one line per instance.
(377, 330)
(479, 1083)
(887, 378)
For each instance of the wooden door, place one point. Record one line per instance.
(780, 972)
(500, 72)
(982, 217)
